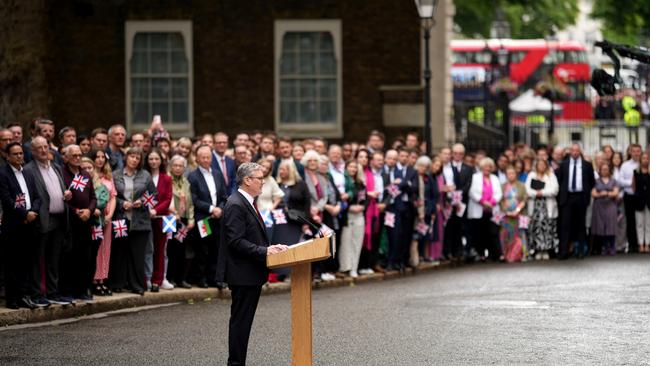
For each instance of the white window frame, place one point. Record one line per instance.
(184, 27)
(330, 130)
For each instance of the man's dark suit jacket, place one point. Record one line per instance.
(201, 193)
(243, 245)
(14, 216)
(564, 176)
(464, 180)
(231, 172)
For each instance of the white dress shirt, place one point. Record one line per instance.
(448, 173)
(626, 175)
(572, 165)
(212, 186)
(337, 176)
(23, 186)
(248, 197)
(379, 183)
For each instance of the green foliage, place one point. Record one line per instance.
(527, 18)
(626, 21)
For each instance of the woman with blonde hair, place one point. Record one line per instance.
(542, 188)
(184, 149)
(296, 201)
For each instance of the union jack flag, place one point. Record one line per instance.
(20, 201)
(97, 232)
(79, 182)
(497, 216)
(389, 219)
(120, 229)
(456, 198)
(524, 221)
(422, 228)
(149, 200)
(279, 217)
(394, 190)
(181, 233)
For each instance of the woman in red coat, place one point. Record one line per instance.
(160, 207)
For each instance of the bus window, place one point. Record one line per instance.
(578, 91)
(551, 57)
(517, 56)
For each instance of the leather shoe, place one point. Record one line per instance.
(155, 288)
(26, 302)
(184, 284)
(203, 284)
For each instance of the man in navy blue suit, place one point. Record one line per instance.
(401, 205)
(20, 203)
(224, 164)
(209, 195)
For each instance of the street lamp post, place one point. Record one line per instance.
(427, 11)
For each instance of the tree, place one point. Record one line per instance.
(626, 21)
(527, 18)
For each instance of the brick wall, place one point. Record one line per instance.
(233, 58)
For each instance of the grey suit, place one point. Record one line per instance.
(140, 220)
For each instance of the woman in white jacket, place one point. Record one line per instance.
(484, 195)
(542, 188)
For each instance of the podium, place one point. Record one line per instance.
(299, 258)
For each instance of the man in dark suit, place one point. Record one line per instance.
(224, 164)
(285, 147)
(53, 218)
(576, 179)
(244, 247)
(21, 204)
(401, 205)
(458, 177)
(209, 195)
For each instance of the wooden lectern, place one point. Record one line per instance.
(299, 258)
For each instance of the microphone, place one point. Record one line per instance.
(309, 223)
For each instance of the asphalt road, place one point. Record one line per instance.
(551, 313)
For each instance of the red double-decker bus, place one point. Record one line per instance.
(530, 61)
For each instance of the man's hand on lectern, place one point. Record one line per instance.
(277, 248)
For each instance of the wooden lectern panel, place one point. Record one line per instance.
(305, 252)
(301, 329)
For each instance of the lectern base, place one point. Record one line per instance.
(301, 315)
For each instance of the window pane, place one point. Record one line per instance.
(140, 42)
(307, 42)
(307, 89)
(289, 42)
(159, 41)
(159, 62)
(139, 63)
(140, 88)
(176, 41)
(307, 63)
(160, 88)
(179, 88)
(326, 42)
(328, 88)
(179, 112)
(140, 112)
(328, 111)
(162, 109)
(288, 112)
(308, 112)
(179, 62)
(288, 64)
(288, 89)
(327, 64)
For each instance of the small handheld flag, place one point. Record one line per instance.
(181, 233)
(266, 217)
(97, 232)
(79, 182)
(204, 228)
(149, 200)
(169, 224)
(279, 217)
(20, 201)
(389, 219)
(120, 229)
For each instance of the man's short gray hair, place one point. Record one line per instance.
(246, 170)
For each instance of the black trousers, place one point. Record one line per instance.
(79, 264)
(629, 203)
(453, 237)
(400, 237)
(180, 255)
(19, 254)
(242, 313)
(49, 250)
(206, 252)
(127, 261)
(573, 226)
(486, 236)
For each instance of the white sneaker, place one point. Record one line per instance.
(148, 285)
(538, 256)
(366, 271)
(354, 274)
(327, 277)
(545, 256)
(166, 285)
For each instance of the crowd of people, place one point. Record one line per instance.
(86, 216)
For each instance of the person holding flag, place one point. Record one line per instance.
(78, 267)
(155, 165)
(209, 195)
(131, 224)
(179, 247)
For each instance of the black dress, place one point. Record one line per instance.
(296, 201)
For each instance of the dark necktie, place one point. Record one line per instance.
(259, 216)
(573, 176)
(456, 171)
